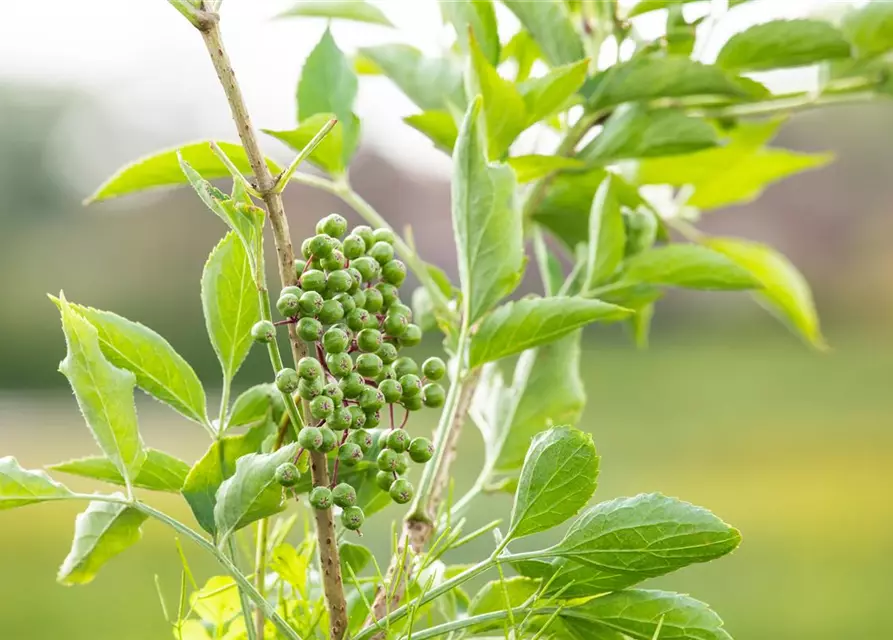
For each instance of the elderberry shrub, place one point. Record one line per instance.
(348, 310)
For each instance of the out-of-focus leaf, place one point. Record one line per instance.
(293, 567)
(870, 28)
(254, 405)
(20, 487)
(546, 94)
(355, 10)
(498, 595)
(431, 83)
(523, 49)
(607, 234)
(217, 602)
(478, 16)
(533, 167)
(783, 43)
(687, 265)
(160, 471)
(437, 126)
(646, 6)
(550, 24)
(355, 556)
(329, 154)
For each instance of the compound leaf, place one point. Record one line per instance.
(20, 487)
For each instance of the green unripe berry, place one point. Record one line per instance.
(384, 480)
(411, 384)
(344, 495)
(333, 391)
(421, 450)
(359, 298)
(305, 249)
(401, 309)
(411, 336)
(335, 261)
(310, 438)
(295, 291)
(361, 438)
(389, 294)
(401, 491)
(321, 498)
(374, 301)
(373, 419)
(387, 373)
(321, 246)
(309, 389)
(368, 365)
(357, 319)
(332, 225)
(331, 312)
(366, 234)
(402, 464)
(340, 420)
(311, 303)
(299, 266)
(353, 518)
(433, 369)
(394, 272)
(309, 368)
(340, 364)
(405, 365)
(395, 325)
(369, 340)
(391, 390)
(357, 417)
(382, 252)
(335, 340)
(321, 407)
(387, 352)
(387, 460)
(346, 300)
(309, 329)
(353, 246)
(263, 331)
(352, 385)
(412, 404)
(288, 305)
(356, 280)
(287, 474)
(313, 280)
(371, 399)
(339, 281)
(287, 380)
(398, 440)
(433, 395)
(369, 269)
(329, 440)
(372, 322)
(383, 235)
(350, 454)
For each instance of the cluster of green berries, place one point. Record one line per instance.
(347, 306)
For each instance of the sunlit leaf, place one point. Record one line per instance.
(160, 471)
(687, 265)
(355, 556)
(217, 602)
(329, 154)
(549, 22)
(478, 16)
(255, 405)
(547, 94)
(783, 43)
(431, 83)
(20, 487)
(607, 234)
(438, 126)
(533, 167)
(870, 28)
(355, 10)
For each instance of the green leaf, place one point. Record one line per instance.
(557, 479)
(638, 613)
(355, 10)
(437, 126)
(160, 471)
(252, 492)
(607, 234)
(624, 541)
(431, 83)
(355, 556)
(478, 16)
(158, 368)
(533, 167)
(634, 131)
(255, 405)
(687, 265)
(328, 85)
(870, 28)
(550, 24)
(784, 290)
(217, 602)
(20, 487)
(523, 49)
(162, 169)
(545, 95)
(486, 222)
(646, 6)
(101, 532)
(504, 109)
(218, 464)
(230, 303)
(293, 567)
(329, 154)
(523, 324)
(104, 394)
(498, 595)
(783, 43)
(644, 78)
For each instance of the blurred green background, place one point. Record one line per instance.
(725, 410)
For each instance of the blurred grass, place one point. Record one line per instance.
(792, 447)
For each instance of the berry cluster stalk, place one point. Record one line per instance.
(266, 185)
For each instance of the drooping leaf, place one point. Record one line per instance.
(437, 126)
(329, 154)
(160, 471)
(550, 24)
(355, 556)
(486, 221)
(607, 234)
(637, 613)
(784, 290)
(545, 95)
(687, 265)
(523, 324)
(646, 78)
(328, 85)
(20, 487)
(870, 28)
(101, 532)
(783, 43)
(355, 10)
(634, 131)
(158, 368)
(619, 543)
(557, 479)
(498, 595)
(478, 16)
(217, 602)
(230, 303)
(253, 406)
(104, 394)
(162, 169)
(252, 492)
(431, 83)
(533, 167)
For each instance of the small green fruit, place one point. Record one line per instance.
(309, 389)
(310, 438)
(335, 340)
(263, 331)
(321, 407)
(357, 319)
(395, 325)
(368, 267)
(411, 384)
(352, 385)
(373, 419)
(311, 303)
(361, 438)
(329, 440)
(398, 308)
(353, 247)
(352, 518)
(288, 305)
(384, 480)
(350, 453)
(402, 464)
(333, 391)
(433, 369)
(321, 245)
(299, 266)
(344, 495)
(339, 281)
(404, 366)
(321, 498)
(287, 380)
(359, 298)
(340, 420)
(357, 417)
(287, 474)
(421, 450)
(433, 395)
(331, 312)
(391, 390)
(305, 249)
(371, 400)
(412, 404)
(387, 460)
(313, 280)
(332, 225)
(383, 235)
(401, 491)
(346, 300)
(369, 365)
(339, 364)
(389, 294)
(398, 440)
(374, 301)
(369, 340)
(295, 291)
(394, 272)
(382, 252)
(366, 234)
(309, 329)
(411, 336)
(335, 261)
(309, 368)
(387, 352)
